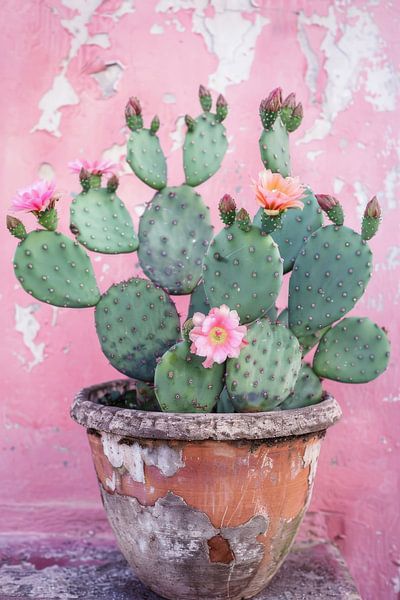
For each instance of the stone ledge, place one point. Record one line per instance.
(61, 569)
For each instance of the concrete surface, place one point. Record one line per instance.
(60, 569)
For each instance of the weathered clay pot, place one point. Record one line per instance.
(204, 506)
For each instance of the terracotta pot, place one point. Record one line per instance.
(204, 505)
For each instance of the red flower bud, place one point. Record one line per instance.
(290, 101)
(326, 202)
(373, 209)
(227, 204)
(205, 98)
(298, 111)
(274, 101)
(133, 107)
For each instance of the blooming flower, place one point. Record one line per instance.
(96, 167)
(218, 335)
(34, 198)
(276, 193)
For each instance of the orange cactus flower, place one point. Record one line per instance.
(276, 193)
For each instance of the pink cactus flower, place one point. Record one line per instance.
(95, 167)
(34, 198)
(218, 335)
(276, 193)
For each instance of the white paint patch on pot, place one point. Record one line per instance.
(310, 459)
(29, 326)
(134, 456)
(227, 34)
(111, 482)
(296, 465)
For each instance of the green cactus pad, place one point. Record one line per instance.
(136, 322)
(198, 301)
(56, 270)
(102, 223)
(274, 148)
(184, 385)
(307, 342)
(296, 227)
(330, 274)
(204, 148)
(146, 158)
(354, 351)
(224, 404)
(265, 373)
(307, 391)
(243, 269)
(174, 235)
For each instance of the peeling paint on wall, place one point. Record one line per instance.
(354, 59)
(29, 327)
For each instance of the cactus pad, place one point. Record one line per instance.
(56, 270)
(184, 385)
(174, 235)
(330, 274)
(204, 148)
(296, 227)
(243, 269)
(136, 323)
(102, 223)
(354, 351)
(274, 148)
(224, 404)
(266, 371)
(198, 301)
(307, 391)
(146, 158)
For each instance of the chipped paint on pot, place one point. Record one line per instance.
(200, 515)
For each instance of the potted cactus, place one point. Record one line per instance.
(206, 451)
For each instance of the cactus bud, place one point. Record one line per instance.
(133, 114)
(332, 207)
(270, 107)
(222, 108)
(112, 184)
(291, 113)
(84, 178)
(205, 98)
(48, 218)
(190, 122)
(16, 227)
(187, 328)
(227, 210)
(371, 219)
(155, 125)
(243, 220)
(290, 101)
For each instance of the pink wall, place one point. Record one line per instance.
(62, 101)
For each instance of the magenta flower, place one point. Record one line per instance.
(218, 335)
(96, 167)
(34, 198)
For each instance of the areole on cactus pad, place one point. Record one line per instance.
(255, 356)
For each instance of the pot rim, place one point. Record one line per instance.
(87, 411)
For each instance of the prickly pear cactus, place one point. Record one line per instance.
(330, 274)
(144, 153)
(355, 350)
(266, 371)
(224, 404)
(101, 222)
(184, 385)
(136, 322)
(274, 148)
(243, 269)
(296, 227)
(55, 270)
(279, 118)
(198, 301)
(174, 235)
(205, 142)
(307, 391)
